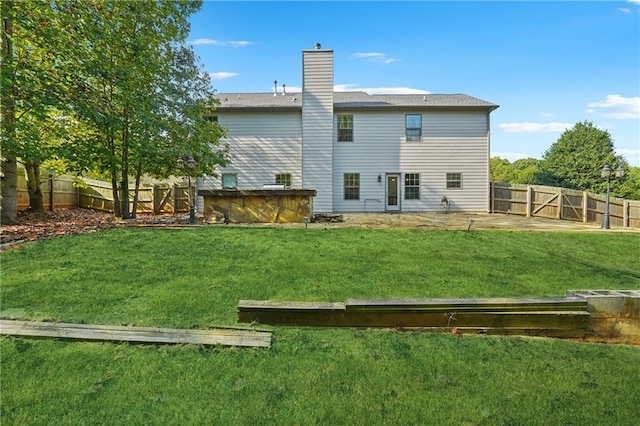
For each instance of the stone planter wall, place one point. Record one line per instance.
(257, 206)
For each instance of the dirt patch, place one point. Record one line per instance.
(465, 221)
(37, 226)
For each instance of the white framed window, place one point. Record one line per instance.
(454, 180)
(352, 186)
(345, 128)
(413, 127)
(412, 186)
(283, 179)
(229, 180)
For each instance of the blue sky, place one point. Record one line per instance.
(547, 64)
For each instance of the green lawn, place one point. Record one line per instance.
(194, 278)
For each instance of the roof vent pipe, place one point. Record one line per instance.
(275, 88)
(317, 46)
(284, 91)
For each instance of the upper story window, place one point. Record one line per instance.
(345, 128)
(284, 179)
(412, 186)
(352, 186)
(413, 127)
(229, 180)
(454, 180)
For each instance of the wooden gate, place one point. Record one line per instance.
(561, 203)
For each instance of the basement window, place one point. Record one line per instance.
(283, 179)
(454, 180)
(229, 180)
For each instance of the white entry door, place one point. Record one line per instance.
(392, 191)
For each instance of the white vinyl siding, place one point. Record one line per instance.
(451, 141)
(317, 127)
(261, 145)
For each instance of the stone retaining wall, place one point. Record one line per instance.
(257, 206)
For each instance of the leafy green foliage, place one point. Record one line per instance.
(574, 161)
(577, 157)
(524, 171)
(108, 86)
(629, 187)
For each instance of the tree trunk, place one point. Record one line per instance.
(136, 193)
(115, 189)
(9, 191)
(125, 174)
(36, 199)
(124, 210)
(9, 179)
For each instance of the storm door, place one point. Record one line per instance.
(393, 193)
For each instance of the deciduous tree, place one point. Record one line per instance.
(577, 157)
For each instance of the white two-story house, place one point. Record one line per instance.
(360, 152)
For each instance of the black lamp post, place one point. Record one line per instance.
(189, 164)
(606, 173)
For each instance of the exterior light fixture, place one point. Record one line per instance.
(606, 173)
(379, 178)
(189, 164)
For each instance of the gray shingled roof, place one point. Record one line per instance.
(352, 100)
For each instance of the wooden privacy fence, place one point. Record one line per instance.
(156, 199)
(58, 192)
(561, 203)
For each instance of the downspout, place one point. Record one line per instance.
(488, 183)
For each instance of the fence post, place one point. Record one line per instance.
(51, 192)
(493, 197)
(585, 204)
(529, 198)
(560, 195)
(625, 213)
(154, 190)
(175, 199)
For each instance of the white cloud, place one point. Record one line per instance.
(222, 75)
(632, 155)
(511, 156)
(624, 10)
(546, 114)
(628, 152)
(533, 127)
(633, 1)
(375, 56)
(233, 43)
(240, 43)
(616, 106)
(379, 90)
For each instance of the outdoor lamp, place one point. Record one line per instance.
(379, 178)
(606, 174)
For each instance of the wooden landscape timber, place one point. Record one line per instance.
(560, 317)
(220, 336)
